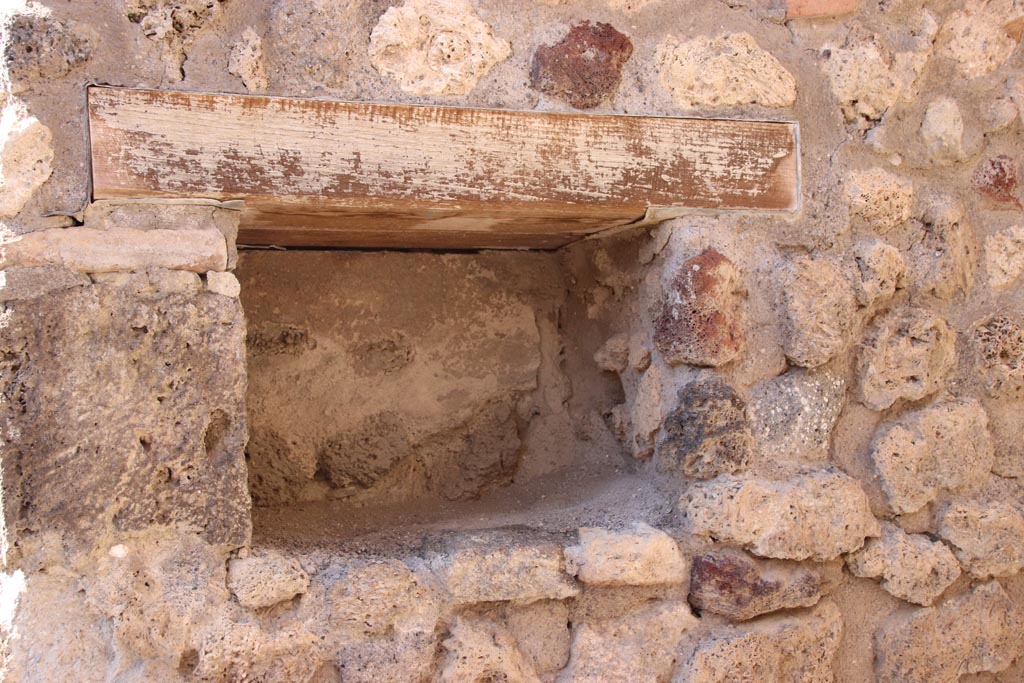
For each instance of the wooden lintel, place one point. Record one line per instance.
(319, 173)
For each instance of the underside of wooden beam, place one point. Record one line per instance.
(319, 173)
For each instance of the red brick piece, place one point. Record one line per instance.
(584, 68)
(805, 9)
(699, 322)
(996, 178)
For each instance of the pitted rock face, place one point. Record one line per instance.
(912, 566)
(863, 79)
(792, 415)
(998, 345)
(435, 47)
(941, 261)
(707, 434)
(174, 24)
(881, 271)
(700, 321)
(879, 199)
(266, 579)
(42, 48)
(639, 556)
(740, 587)
(979, 631)
(997, 179)
(906, 355)
(988, 539)
(1004, 257)
(482, 650)
(585, 67)
(819, 306)
(976, 40)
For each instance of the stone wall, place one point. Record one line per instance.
(735, 447)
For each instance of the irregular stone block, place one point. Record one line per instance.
(378, 597)
(707, 434)
(818, 310)
(320, 58)
(542, 633)
(175, 461)
(912, 566)
(585, 67)
(979, 631)
(816, 515)
(481, 650)
(881, 272)
(906, 355)
(944, 448)
(246, 652)
(998, 346)
(975, 39)
(518, 567)
(699, 322)
(26, 282)
(152, 282)
(996, 178)
(879, 199)
(278, 471)
(728, 70)
(246, 62)
(1004, 257)
(173, 24)
(225, 284)
(613, 355)
(740, 587)
(988, 539)
(265, 580)
(790, 649)
(41, 49)
(26, 158)
(435, 47)
(120, 249)
(942, 131)
(638, 647)
(941, 261)
(792, 415)
(864, 78)
(396, 657)
(640, 556)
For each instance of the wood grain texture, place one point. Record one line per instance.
(318, 173)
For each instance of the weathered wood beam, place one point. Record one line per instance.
(318, 173)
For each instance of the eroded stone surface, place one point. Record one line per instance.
(1004, 257)
(26, 282)
(905, 355)
(26, 158)
(880, 199)
(975, 39)
(881, 271)
(265, 580)
(225, 284)
(638, 647)
(818, 310)
(912, 566)
(639, 556)
(867, 78)
(731, 583)
(941, 261)
(724, 71)
(246, 62)
(998, 345)
(997, 179)
(613, 355)
(792, 415)
(791, 649)
(942, 449)
(435, 47)
(585, 67)
(942, 131)
(699, 321)
(174, 25)
(980, 631)
(481, 650)
(542, 633)
(988, 538)
(708, 433)
(42, 48)
(367, 598)
(816, 515)
(241, 652)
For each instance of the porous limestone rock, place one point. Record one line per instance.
(482, 650)
(542, 633)
(881, 271)
(585, 67)
(1004, 257)
(807, 9)
(734, 584)
(792, 415)
(26, 158)
(225, 284)
(941, 260)
(975, 39)
(27, 282)
(368, 597)
(707, 433)
(728, 70)
(912, 566)
(246, 62)
(435, 47)
(391, 657)
(942, 131)
(879, 199)
(997, 179)
(513, 566)
(174, 25)
(998, 346)
(638, 647)
(264, 580)
(640, 556)
(699, 321)
(246, 652)
(815, 515)
(906, 355)
(613, 355)
(818, 308)
(176, 459)
(979, 631)
(119, 249)
(41, 48)
(790, 649)
(942, 449)
(988, 538)
(864, 78)
(278, 471)
(153, 281)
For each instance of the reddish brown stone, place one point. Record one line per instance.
(699, 321)
(585, 67)
(733, 584)
(996, 178)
